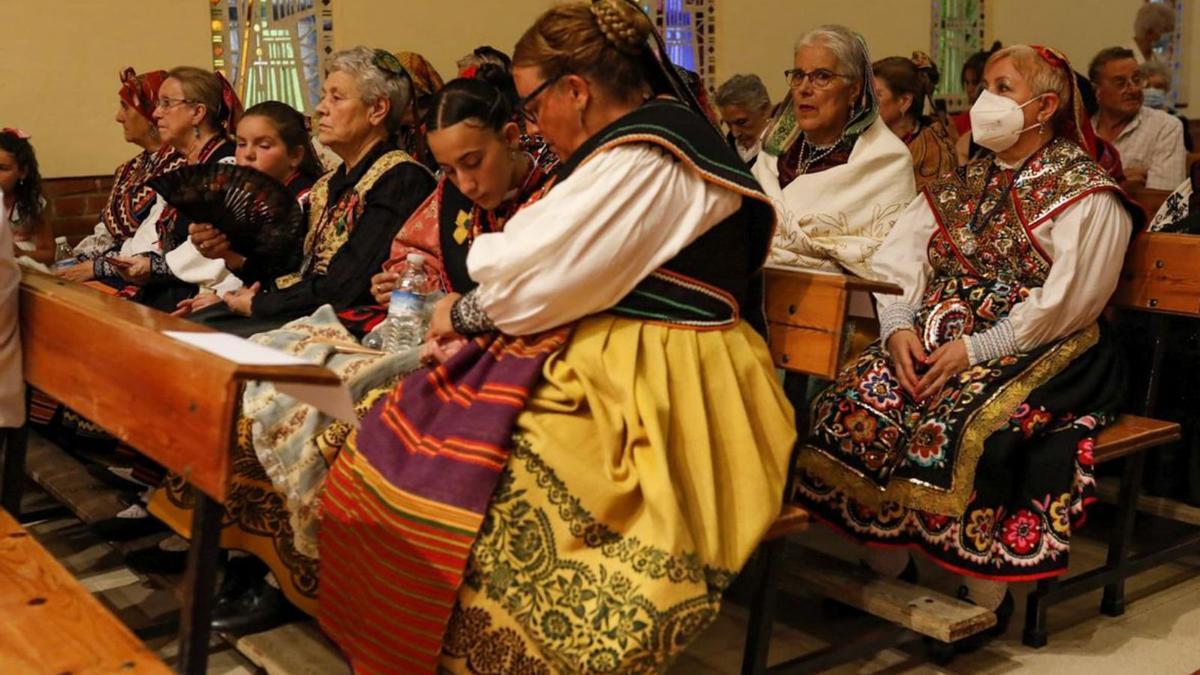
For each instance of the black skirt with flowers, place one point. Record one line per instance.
(988, 478)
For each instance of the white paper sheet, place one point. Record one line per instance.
(236, 349)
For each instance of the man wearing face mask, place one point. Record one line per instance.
(992, 376)
(1150, 141)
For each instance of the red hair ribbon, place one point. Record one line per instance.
(19, 133)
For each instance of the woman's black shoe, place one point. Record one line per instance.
(260, 608)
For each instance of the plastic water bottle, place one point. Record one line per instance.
(404, 327)
(63, 256)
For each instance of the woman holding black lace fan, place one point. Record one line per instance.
(272, 139)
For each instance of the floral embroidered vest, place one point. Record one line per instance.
(330, 225)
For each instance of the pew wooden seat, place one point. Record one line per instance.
(50, 624)
(1160, 277)
(108, 360)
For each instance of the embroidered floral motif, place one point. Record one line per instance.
(579, 617)
(1022, 532)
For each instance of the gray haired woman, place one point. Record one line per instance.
(355, 210)
(838, 177)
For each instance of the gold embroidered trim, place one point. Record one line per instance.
(982, 423)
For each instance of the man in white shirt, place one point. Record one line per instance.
(1149, 141)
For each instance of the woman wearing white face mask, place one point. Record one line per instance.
(938, 437)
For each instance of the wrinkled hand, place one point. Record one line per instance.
(196, 304)
(382, 285)
(242, 300)
(133, 269)
(947, 361)
(908, 354)
(79, 272)
(441, 328)
(435, 352)
(208, 240)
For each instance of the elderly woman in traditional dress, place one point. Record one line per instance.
(127, 222)
(355, 210)
(967, 431)
(837, 176)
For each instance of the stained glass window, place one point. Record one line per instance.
(956, 33)
(273, 49)
(689, 29)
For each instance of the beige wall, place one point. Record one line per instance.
(59, 63)
(756, 36)
(440, 30)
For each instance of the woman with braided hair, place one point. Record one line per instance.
(562, 494)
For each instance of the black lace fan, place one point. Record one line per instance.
(259, 215)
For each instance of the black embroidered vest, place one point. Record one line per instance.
(718, 277)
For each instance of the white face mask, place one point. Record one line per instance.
(1153, 97)
(996, 121)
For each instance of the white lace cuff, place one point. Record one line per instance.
(894, 317)
(993, 343)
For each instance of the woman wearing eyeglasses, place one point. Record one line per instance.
(196, 113)
(837, 176)
(355, 210)
(573, 490)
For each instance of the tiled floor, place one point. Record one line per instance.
(1160, 632)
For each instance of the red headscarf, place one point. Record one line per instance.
(1078, 126)
(140, 92)
(231, 106)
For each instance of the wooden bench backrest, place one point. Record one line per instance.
(1149, 199)
(49, 623)
(806, 317)
(106, 358)
(1161, 274)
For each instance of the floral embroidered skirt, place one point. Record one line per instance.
(988, 479)
(645, 468)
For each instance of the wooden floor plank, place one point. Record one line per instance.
(50, 624)
(293, 649)
(918, 608)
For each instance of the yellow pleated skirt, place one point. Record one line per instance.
(645, 470)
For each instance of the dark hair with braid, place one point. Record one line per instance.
(29, 189)
(489, 99)
(289, 124)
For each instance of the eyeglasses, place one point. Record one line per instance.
(821, 78)
(1137, 81)
(523, 104)
(166, 103)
